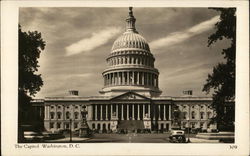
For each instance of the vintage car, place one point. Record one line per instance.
(177, 136)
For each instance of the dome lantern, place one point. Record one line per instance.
(131, 21)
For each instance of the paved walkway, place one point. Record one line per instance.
(67, 139)
(198, 140)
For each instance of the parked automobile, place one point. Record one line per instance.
(31, 136)
(177, 136)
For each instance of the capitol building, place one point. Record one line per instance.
(130, 98)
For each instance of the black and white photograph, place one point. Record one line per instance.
(128, 74)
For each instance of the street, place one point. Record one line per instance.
(119, 138)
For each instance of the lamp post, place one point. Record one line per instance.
(188, 141)
(70, 134)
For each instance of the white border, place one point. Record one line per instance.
(9, 62)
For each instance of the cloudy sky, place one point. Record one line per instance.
(78, 40)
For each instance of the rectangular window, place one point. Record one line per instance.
(67, 125)
(75, 125)
(202, 115)
(202, 124)
(58, 125)
(51, 125)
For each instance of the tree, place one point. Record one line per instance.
(30, 45)
(222, 80)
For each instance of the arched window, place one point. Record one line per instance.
(76, 115)
(52, 115)
(209, 115)
(59, 115)
(67, 115)
(59, 125)
(75, 125)
(193, 115)
(51, 125)
(185, 115)
(202, 115)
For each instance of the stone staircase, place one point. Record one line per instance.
(130, 124)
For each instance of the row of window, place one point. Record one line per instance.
(131, 60)
(193, 124)
(67, 115)
(59, 107)
(193, 115)
(59, 125)
(193, 106)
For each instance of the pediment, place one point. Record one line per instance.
(130, 96)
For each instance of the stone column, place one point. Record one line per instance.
(149, 110)
(127, 112)
(133, 77)
(133, 112)
(106, 112)
(169, 112)
(90, 110)
(101, 112)
(122, 79)
(164, 112)
(122, 112)
(138, 112)
(138, 77)
(128, 78)
(115, 78)
(46, 112)
(108, 80)
(154, 112)
(119, 78)
(111, 111)
(116, 110)
(111, 78)
(95, 112)
(143, 113)
(159, 114)
(142, 78)
(148, 78)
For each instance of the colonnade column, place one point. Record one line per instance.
(128, 78)
(95, 112)
(133, 112)
(149, 110)
(169, 113)
(123, 78)
(138, 110)
(127, 112)
(138, 77)
(116, 111)
(164, 112)
(133, 77)
(111, 111)
(159, 114)
(101, 112)
(143, 113)
(120, 78)
(106, 112)
(122, 112)
(143, 78)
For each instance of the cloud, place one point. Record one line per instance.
(97, 39)
(180, 36)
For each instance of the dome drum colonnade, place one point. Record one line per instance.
(131, 64)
